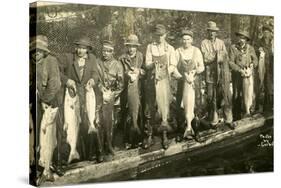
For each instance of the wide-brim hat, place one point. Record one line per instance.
(267, 27)
(39, 42)
(84, 41)
(132, 40)
(159, 29)
(243, 33)
(212, 26)
(186, 32)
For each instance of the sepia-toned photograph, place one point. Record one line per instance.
(130, 93)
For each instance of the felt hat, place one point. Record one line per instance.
(39, 42)
(212, 26)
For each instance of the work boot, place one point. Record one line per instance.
(231, 125)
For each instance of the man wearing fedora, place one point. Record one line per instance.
(242, 61)
(45, 85)
(217, 76)
(133, 62)
(265, 84)
(111, 86)
(79, 69)
(159, 57)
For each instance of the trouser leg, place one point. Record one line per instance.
(107, 120)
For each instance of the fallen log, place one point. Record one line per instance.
(128, 164)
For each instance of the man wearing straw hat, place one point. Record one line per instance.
(160, 56)
(133, 62)
(217, 77)
(243, 61)
(79, 69)
(46, 76)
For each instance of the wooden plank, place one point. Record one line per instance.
(132, 159)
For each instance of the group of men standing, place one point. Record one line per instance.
(141, 86)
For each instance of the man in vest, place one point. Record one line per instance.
(217, 76)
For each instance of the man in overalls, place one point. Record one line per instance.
(217, 77)
(159, 56)
(243, 60)
(133, 62)
(112, 84)
(190, 64)
(44, 88)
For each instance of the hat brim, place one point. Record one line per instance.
(132, 44)
(88, 45)
(159, 33)
(213, 29)
(242, 34)
(267, 28)
(32, 48)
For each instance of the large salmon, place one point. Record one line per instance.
(91, 107)
(48, 139)
(248, 89)
(134, 98)
(188, 99)
(71, 123)
(162, 87)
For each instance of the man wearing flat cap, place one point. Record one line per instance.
(159, 57)
(133, 62)
(217, 76)
(243, 61)
(45, 85)
(78, 70)
(112, 84)
(265, 69)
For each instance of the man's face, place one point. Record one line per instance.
(187, 40)
(107, 53)
(132, 50)
(267, 34)
(81, 51)
(212, 34)
(242, 40)
(37, 55)
(159, 38)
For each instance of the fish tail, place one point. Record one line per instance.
(73, 155)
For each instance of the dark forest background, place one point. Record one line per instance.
(64, 23)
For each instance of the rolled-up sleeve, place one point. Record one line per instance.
(199, 61)
(172, 57)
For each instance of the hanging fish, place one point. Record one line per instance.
(48, 139)
(72, 121)
(248, 88)
(91, 107)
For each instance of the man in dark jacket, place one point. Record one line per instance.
(243, 61)
(265, 69)
(111, 86)
(217, 76)
(44, 88)
(79, 69)
(131, 109)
